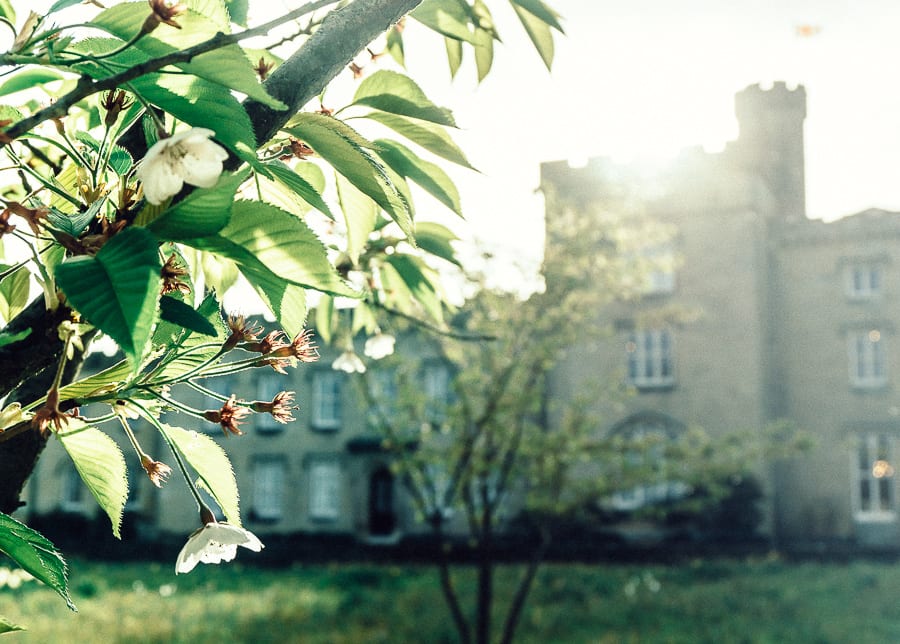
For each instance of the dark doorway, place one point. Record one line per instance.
(382, 520)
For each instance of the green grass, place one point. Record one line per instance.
(705, 601)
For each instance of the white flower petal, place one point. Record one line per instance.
(349, 362)
(188, 156)
(215, 543)
(379, 346)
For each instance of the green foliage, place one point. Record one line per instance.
(119, 82)
(101, 466)
(350, 155)
(117, 290)
(35, 554)
(212, 465)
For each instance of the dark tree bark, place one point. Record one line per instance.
(342, 35)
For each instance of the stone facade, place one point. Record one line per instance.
(793, 319)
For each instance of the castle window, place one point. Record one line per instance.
(326, 400)
(864, 280)
(269, 477)
(650, 358)
(324, 490)
(868, 367)
(873, 491)
(660, 276)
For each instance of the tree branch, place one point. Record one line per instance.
(87, 87)
(341, 36)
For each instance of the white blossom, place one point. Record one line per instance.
(379, 346)
(350, 362)
(13, 414)
(187, 157)
(214, 543)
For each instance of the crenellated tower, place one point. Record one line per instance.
(770, 143)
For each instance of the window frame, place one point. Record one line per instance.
(650, 365)
(867, 359)
(864, 476)
(325, 482)
(318, 396)
(265, 511)
(871, 282)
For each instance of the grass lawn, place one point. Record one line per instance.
(704, 601)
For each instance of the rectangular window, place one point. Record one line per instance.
(650, 358)
(874, 497)
(324, 490)
(864, 280)
(383, 387)
(326, 399)
(868, 366)
(269, 478)
(436, 385)
(267, 387)
(660, 267)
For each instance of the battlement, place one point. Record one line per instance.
(756, 100)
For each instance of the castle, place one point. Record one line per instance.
(796, 319)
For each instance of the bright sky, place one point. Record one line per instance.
(647, 77)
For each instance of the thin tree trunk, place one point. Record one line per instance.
(450, 596)
(518, 603)
(485, 577)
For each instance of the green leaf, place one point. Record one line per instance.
(430, 136)
(101, 466)
(117, 290)
(428, 176)
(7, 11)
(300, 186)
(435, 239)
(202, 104)
(415, 274)
(360, 214)
(11, 338)
(539, 32)
(204, 212)
(238, 11)
(179, 313)
(348, 153)
(447, 17)
(14, 290)
(454, 55)
(325, 318)
(394, 45)
(286, 301)
(540, 11)
(7, 626)
(484, 54)
(226, 66)
(398, 94)
(105, 381)
(195, 101)
(29, 79)
(212, 465)
(120, 161)
(74, 224)
(59, 5)
(187, 349)
(35, 554)
(263, 237)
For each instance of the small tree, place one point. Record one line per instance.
(491, 453)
